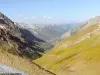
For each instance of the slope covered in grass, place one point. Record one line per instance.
(76, 55)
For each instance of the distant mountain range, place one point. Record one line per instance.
(49, 33)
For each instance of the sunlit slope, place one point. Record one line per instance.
(77, 55)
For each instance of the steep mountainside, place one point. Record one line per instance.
(20, 41)
(76, 55)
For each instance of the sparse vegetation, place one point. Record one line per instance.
(79, 57)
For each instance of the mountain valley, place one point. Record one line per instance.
(73, 51)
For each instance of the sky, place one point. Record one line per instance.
(50, 11)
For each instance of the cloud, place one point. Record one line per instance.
(29, 18)
(46, 17)
(26, 17)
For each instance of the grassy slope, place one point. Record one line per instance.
(79, 57)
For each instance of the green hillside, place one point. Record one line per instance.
(76, 55)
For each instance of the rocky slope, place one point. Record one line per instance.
(76, 55)
(20, 41)
(18, 47)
